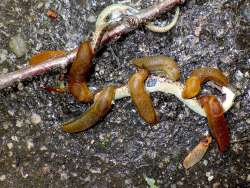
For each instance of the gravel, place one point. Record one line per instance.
(120, 150)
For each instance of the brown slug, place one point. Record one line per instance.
(216, 121)
(79, 72)
(199, 76)
(102, 104)
(159, 63)
(141, 98)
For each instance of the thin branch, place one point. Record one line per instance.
(128, 24)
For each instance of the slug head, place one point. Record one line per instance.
(191, 88)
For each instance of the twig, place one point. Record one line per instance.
(128, 24)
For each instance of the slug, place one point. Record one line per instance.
(159, 63)
(141, 98)
(79, 72)
(199, 76)
(216, 121)
(102, 104)
(45, 55)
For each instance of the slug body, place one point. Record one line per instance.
(79, 72)
(141, 98)
(216, 121)
(102, 104)
(199, 76)
(197, 153)
(159, 63)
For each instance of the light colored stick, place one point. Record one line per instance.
(176, 88)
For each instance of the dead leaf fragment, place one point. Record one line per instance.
(197, 153)
(52, 14)
(45, 55)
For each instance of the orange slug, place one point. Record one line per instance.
(141, 98)
(79, 72)
(199, 76)
(102, 104)
(159, 63)
(216, 121)
(45, 55)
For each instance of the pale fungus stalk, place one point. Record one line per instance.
(114, 13)
(176, 88)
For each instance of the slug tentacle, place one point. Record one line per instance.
(78, 73)
(102, 104)
(141, 98)
(216, 121)
(198, 77)
(159, 63)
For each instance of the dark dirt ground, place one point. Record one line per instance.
(121, 149)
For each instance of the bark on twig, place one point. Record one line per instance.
(127, 25)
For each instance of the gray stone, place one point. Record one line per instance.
(3, 55)
(18, 45)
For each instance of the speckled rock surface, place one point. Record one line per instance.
(121, 149)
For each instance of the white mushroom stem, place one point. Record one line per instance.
(115, 12)
(176, 88)
(162, 29)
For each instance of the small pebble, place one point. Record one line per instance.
(18, 45)
(10, 145)
(128, 181)
(248, 121)
(11, 112)
(205, 162)
(239, 75)
(216, 185)
(20, 86)
(3, 55)
(64, 176)
(35, 119)
(40, 5)
(247, 75)
(248, 178)
(209, 175)
(210, 178)
(5, 70)
(46, 169)
(10, 154)
(173, 186)
(6, 125)
(74, 174)
(91, 19)
(43, 148)
(14, 138)
(19, 123)
(2, 177)
(106, 54)
(29, 144)
(246, 12)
